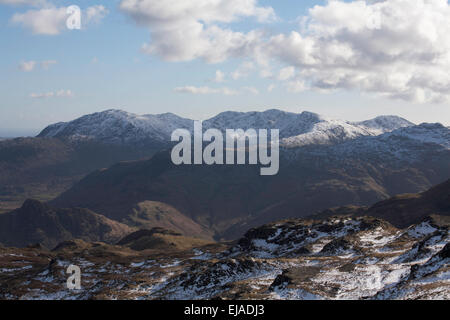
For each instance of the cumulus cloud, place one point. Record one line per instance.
(394, 48)
(243, 70)
(95, 14)
(51, 20)
(224, 90)
(219, 77)
(206, 90)
(27, 66)
(186, 30)
(251, 90)
(47, 21)
(296, 86)
(42, 95)
(51, 94)
(286, 73)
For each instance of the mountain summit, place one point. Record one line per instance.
(296, 129)
(118, 127)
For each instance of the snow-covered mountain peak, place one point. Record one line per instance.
(117, 126)
(289, 123)
(385, 123)
(332, 131)
(313, 117)
(434, 133)
(296, 129)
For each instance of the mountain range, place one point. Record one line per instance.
(345, 163)
(358, 210)
(324, 163)
(39, 223)
(120, 127)
(63, 153)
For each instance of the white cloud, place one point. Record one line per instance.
(95, 13)
(51, 20)
(64, 93)
(51, 94)
(271, 87)
(265, 73)
(48, 21)
(296, 86)
(27, 66)
(206, 90)
(286, 73)
(243, 70)
(187, 30)
(251, 90)
(47, 63)
(396, 48)
(42, 95)
(219, 77)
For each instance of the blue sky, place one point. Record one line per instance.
(103, 66)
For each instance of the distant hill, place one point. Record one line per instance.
(36, 222)
(324, 163)
(154, 214)
(63, 153)
(160, 239)
(230, 199)
(404, 210)
(401, 210)
(44, 167)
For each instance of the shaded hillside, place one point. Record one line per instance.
(36, 222)
(232, 199)
(404, 209)
(151, 214)
(44, 167)
(407, 209)
(160, 239)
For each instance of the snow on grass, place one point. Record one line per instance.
(293, 294)
(364, 281)
(421, 230)
(137, 264)
(317, 246)
(8, 270)
(376, 238)
(264, 249)
(200, 255)
(171, 264)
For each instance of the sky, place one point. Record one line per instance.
(351, 60)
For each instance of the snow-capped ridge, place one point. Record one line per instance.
(119, 127)
(385, 122)
(296, 129)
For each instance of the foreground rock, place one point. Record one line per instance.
(336, 258)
